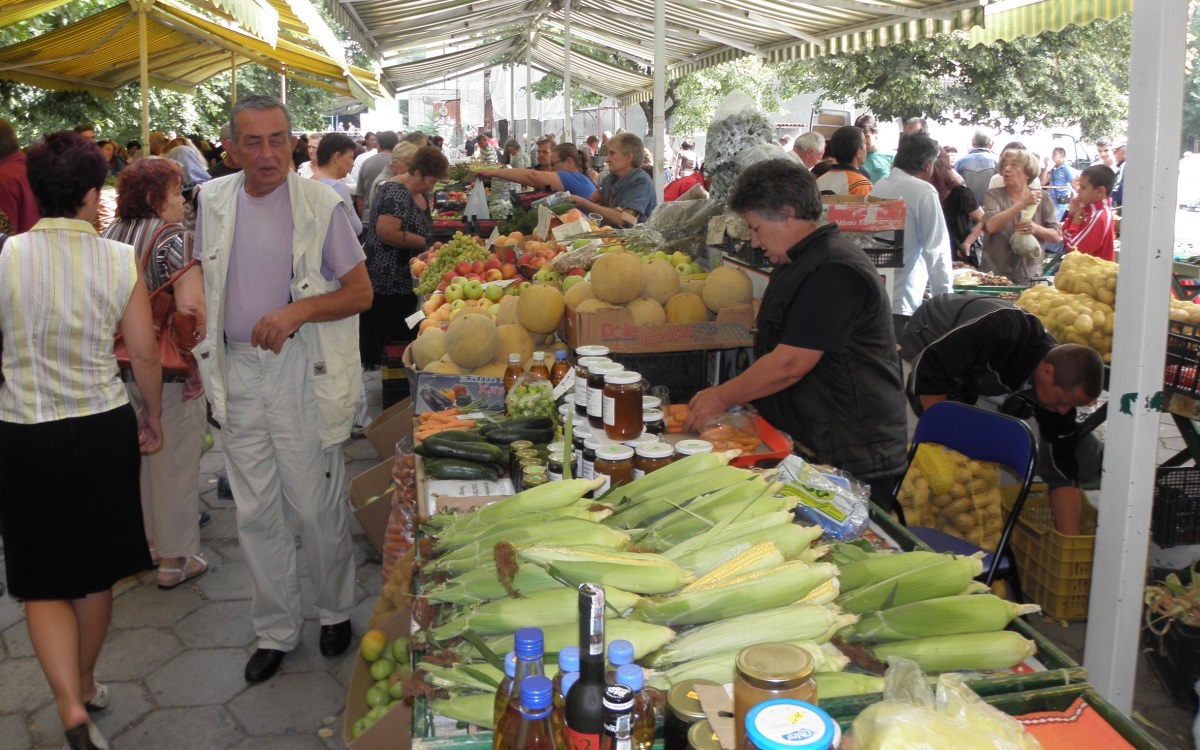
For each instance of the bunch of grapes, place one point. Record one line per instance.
(459, 248)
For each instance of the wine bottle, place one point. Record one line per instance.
(585, 702)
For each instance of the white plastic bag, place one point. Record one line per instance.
(477, 206)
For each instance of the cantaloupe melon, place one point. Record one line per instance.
(686, 308)
(578, 293)
(692, 286)
(617, 278)
(514, 340)
(593, 305)
(646, 312)
(508, 311)
(429, 346)
(465, 311)
(471, 341)
(490, 370)
(662, 282)
(444, 367)
(540, 308)
(727, 286)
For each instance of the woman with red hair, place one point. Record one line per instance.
(150, 207)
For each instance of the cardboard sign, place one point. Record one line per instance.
(566, 231)
(433, 392)
(545, 216)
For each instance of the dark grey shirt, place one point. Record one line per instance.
(633, 192)
(371, 168)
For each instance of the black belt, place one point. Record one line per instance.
(127, 377)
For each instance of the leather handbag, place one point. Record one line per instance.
(175, 331)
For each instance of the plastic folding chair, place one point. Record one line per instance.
(982, 436)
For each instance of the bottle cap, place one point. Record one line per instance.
(618, 698)
(620, 652)
(536, 692)
(567, 681)
(631, 675)
(510, 664)
(514, 359)
(539, 356)
(529, 644)
(560, 354)
(568, 659)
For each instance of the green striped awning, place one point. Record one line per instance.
(1013, 18)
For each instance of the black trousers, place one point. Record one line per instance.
(384, 324)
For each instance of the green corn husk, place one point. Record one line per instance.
(813, 554)
(725, 533)
(676, 494)
(720, 667)
(572, 532)
(481, 585)
(548, 607)
(755, 592)
(949, 615)
(954, 653)
(929, 582)
(642, 573)
(540, 499)
(844, 684)
(635, 491)
(790, 539)
(803, 622)
(697, 516)
(587, 510)
(478, 709)
(646, 638)
(881, 566)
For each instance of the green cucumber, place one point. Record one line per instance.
(482, 453)
(461, 436)
(507, 435)
(450, 468)
(527, 423)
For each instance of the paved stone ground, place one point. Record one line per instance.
(174, 659)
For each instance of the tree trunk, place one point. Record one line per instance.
(648, 108)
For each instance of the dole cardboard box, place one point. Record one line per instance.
(373, 514)
(433, 392)
(386, 430)
(393, 731)
(617, 330)
(864, 213)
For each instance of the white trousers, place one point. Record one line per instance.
(281, 477)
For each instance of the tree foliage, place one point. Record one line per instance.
(696, 96)
(1191, 90)
(549, 87)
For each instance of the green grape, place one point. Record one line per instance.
(460, 248)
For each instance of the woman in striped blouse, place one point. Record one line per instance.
(69, 536)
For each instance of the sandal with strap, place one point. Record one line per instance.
(182, 573)
(99, 701)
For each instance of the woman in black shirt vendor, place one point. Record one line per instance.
(826, 370)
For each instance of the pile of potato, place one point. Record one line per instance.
(1080, 273)
(949, 492)
(1072, 318)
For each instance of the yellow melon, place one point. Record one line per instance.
(577, 294)
(491, 370)
(429, 346)
(540, 308)
(727, 286)
(508, 311)
(462, 312)
(471, 341)
(444, 367)
(514, 340)
(686, 308)
(617, 278)
(646, 312)
(662, 282)
(692, 286)
(593, 305)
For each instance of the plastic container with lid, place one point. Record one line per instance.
(652, 457)
(683, 710)
(582, 364)
(614, 463)
(595, 388)
(622, 405)
(653, 423)
(769, 671)
(790, 725)
(685, 448)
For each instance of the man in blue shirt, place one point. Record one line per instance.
(1058, 181)
(978, 166)
(626, 195)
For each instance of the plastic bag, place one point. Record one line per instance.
(531, 396)
(910, 717)
(582, 258)
(736, 125)
(680, 226)
(477, 205)
(759, 152)
(833, 500)
(401, 531)
(947, 491)
(733, 430)
(1026, 245)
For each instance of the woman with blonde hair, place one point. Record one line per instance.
(1004, 211)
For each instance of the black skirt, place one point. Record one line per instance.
(70, 505)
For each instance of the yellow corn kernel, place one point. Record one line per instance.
(758, 557)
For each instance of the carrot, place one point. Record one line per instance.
(720, 432)
(675, 409)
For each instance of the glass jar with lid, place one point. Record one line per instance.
(652, 457)
(651, 402)
(790, 725)
(614, 464)
(683, 710)
(685, 448)
(702, 737)
(653, 422)
(622, 405)
(768, 671)
(582, 362)
(587, 467)
(595, 389)
(579, 434)
(555, 463)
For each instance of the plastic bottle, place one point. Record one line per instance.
(585, 703)
(620, 653)
(534, 727)
(513, 372)
(632, 677)
(529, 642)
(504, 692)
(560, 711)
(539, 366)
(561, 367)
(568, 663)
(618, 718)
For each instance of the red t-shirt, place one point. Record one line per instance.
(16, 198)
(1094, 236)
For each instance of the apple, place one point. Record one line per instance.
(361, 726)
(454, 292)
(478, 267)
(571, 281)
(575, 272)
(463, 268)
(492, 264)
(493, 292)
(684, 269)
(524, 285)
(679, 257)
(377, 696)
(546, 276)
(381, 668)
(460, 280)
(417, 267)
(526, 260)
(697, 268)
(458, 304)
(494, 310)
(537, 262)
(448, 277)
(442, 287)
(431, 304)
(508, 270)
(473, 289)
(580, 243)
(493, 274)
(378, 712)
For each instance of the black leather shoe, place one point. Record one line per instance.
(263, 664)
(335, 639)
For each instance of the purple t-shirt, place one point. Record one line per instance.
(260, 261)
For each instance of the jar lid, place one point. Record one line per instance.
(655, 450)
(692, 447)
(557, 447)
(592, 443)
(582, 430)
(643, 439)
(556, 456)
(589, 361)
(534, 470)
(566, 409)
(591, 350)
(788, 724)
(651, 402)
(614, 453)
(652, 415)
(773, 666)
(518, 445)
(603, 368)
(622, 377)
(684, 703)
(702, 737)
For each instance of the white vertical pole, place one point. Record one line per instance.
(529, 92)
(232, 78)
(144, 76)
(660, 85)
(512, 100)
(567, 72)
(283, 83)
(1156, 74)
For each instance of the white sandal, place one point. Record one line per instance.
(182, 572)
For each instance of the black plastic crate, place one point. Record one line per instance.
(1176, 517)
(1182, 374)
(1175, 654)
(684, 374)
(886, 258)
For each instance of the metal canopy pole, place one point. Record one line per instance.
(283, 83)
(529, 92)
(1156, 75)
(660, 119)
(144, 73)
(232, 78)
(567, 72)
(512, 100)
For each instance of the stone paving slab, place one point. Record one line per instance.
(210, 677)
(227, 582)
(132, 653)
(149, 606)
(289, 704)
(202, 728)
(14, 733)
(218, 624)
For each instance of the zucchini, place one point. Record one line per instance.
(461, 436)
(482, 453)
(530, 423)
(450, 468)
(506, 435)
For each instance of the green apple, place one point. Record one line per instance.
(570, 281)
(697, 268)
(473, 289)
(493, 292)
(378, 712)
(524, 285)
(454, 292)
(580, 243)
(460, 280)
(361, 726)
(382, 668)
(458, 304)
(659, 255)
(494, 310)
(683, 269)
(377, 696)
(546, 276)
(680, 257)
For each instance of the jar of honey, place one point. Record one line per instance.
(585, 356)
(595, 391)
(652, 457)
(622, 405)
(614, 464)
(770, 671)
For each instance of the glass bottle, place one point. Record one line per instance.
(618, 718)
(585, 702)
(528, 648)
(620, 653)
(534, 727)
(504, 691)
(632, 677)
(513, 372)
(539, 366)
(561, 367)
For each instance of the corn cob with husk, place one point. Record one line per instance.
(587, 510)
(969, 652)
(741, 595)
(569, 532)
(477, 709)
(793, 540)
(676, 494)
(759, 557)
(806, 622)
(548, 607)
(642, 573)
(876, 567)
(482, 585)
(470, 675)
(540, 499)
(720, 668)
(728, 530)
(949, 615)
(646, 638)
(688, 524)
(843, 684)
(826, 593)
(632, 493)
(946, 578)
(698, 515)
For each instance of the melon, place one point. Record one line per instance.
(471, 341)
(513, 340)
(578, 293)
(462, 312)
(727, 286)
(692, 286)
(646, 312)
(686, 308)
(491, 370)
(662, 282)
(617, 278)
(593, 305)
(444, 366)
(540, 308)
(429, 346)
(508, 311)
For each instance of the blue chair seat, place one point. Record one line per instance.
(943, 542)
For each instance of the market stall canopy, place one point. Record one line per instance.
(256, 16)
(1009, 19)
(416, 73)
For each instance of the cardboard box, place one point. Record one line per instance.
(431, 392)
(616, 330)
(864, 213)
(373, 517)
(387, 429)
(394, 730)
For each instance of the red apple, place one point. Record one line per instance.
(492, 263)
(493, 274)
(526, 260)
(508, 270)
(463, 268)
(417, 267)
(448, 276)
(538, 262)
(442, 286)
(478, 267)
(474, 277)
(576, 272)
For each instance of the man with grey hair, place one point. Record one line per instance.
(417, 138)
(372, 167)
(927, 257)
(978, 166)
(229, 163)
(284, 281)
(809, 148)
(626, 195)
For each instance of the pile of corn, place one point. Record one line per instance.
(949, 492)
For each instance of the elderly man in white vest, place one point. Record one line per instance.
(284, 279)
